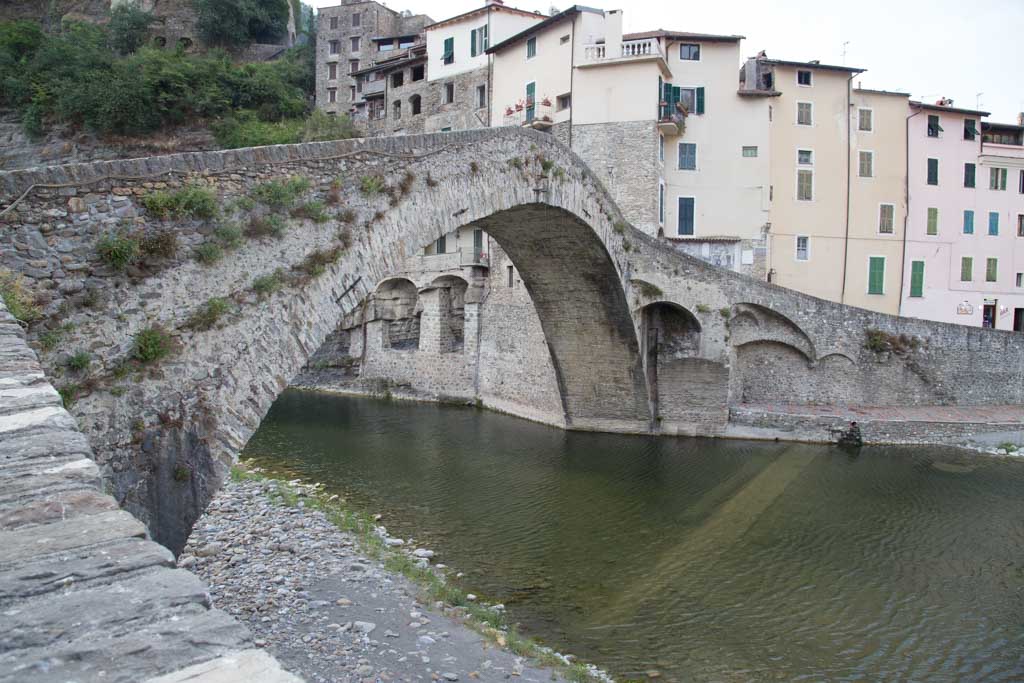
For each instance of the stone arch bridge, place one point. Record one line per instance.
(641, 337)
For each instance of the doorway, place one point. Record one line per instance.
(1018, 320)
(988, 315)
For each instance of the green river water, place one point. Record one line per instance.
(701, 559)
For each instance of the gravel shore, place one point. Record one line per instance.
(326, 609)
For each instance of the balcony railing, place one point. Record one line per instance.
(530, 114)
(452, 260)
(671, 119)
(631, 49)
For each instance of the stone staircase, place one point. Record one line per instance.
(84, 594)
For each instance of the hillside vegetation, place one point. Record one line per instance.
(110, 81)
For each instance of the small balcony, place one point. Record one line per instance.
(671, 118)
(529, 114)
(631, 49)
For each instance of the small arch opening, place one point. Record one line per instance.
(415, 104)
(396, 305)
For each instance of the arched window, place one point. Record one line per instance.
(396, 109)
(414, 104)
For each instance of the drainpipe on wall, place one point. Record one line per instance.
(906, 209)
(490, 72)
(572, 73)
(849, 160)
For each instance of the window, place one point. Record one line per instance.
(398, 79)
(687, 156)
(970, 130)
(481, 97)
(803, 248)
(478, 41)
(661, 203)
(415, 104)
(966, 269)
(804, 185)
(686, 215)
(332, 94)
(441, 244)
(969, 175)
(355, 19)
(332, 71)
(997, 179)
(688, 98)
(353, 66)
(1020, 183)
(804, 113)
(396, 109)
(805, 157)
(933, 171)
(661, 148)
(933, 221)
(803, 77)
(866, 164)
(418, 73)
(448, 56)
(689, 52)
(385, 46)
(355, 43)
(564, 39)
(531, 101)
(510, 280)
(750, 151)
(334, 23)
(1020, 225)
(886, 218)
(933, 126)
(968, 222)
(865, 120)
(334, 47)
(993, 223)
(449, 93)
(406, 42)
(531, 48)
(917, 279)
(563, 102)
(1020, 279)
(352, 93)
(876, 275)
(991, 269)
(446, 129)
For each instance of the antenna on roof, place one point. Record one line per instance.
(845, 43)
(977, 100)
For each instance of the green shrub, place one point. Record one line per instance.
(182, 473)
(19, 301)
(128, 27)
(209, 253)
(49, 340)
(313, 211)
(703, 308)
(281, 194)
(648, 290)
(725, 311)
(237, 23)
(162, 244)
(347, 216)
(118, 250)
(266, 226)
(79, 361)
(208, 314)
(316, 263)
(268, 284)
(151, 344)
(345, 238)
(69, 394)
(229, 236)
(188, 202)
(371, 185)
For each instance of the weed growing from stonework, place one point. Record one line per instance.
(347, 216)
(725, 312)
(118, 251)
(430, 180)
(703, 308)
(49, 340)
(474, 167)
(182, 473)
(558, 174)
(879, 341)
(151, 344)
(647, 290)
(371, 185)
(19, 301)
(546, 165)
(620, 227)
(333, 197)
(1008, 446)
(229, 236)
(68, 394)
(188, 202)
(627, 246)
(267, 284)
(162, 244)
(516, 163)
(79, 361)
(314, 211)
(266, 226)
(281, 194)
(209, 253)
(316, 263)
(208, 314)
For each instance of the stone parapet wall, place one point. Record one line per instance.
(84, 594)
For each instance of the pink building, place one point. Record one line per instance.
(964, 259)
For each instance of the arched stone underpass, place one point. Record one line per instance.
(166, 430)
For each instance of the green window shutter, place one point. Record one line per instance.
(700, 100)
(675, 97)
(966, 269)
(991, 270)
(933, 171)
(968, 222)
(876, 275)
(685, 217)
(993, 222)
(917, 278)
(933, 221)
(969, 172)
(531, 93)
(472, 41)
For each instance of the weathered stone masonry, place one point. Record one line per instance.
(590, 278)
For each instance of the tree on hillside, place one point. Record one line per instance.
(129, 27)
(237, 23)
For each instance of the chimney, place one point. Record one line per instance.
(613, 33)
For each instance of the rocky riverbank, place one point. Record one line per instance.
(334, 598)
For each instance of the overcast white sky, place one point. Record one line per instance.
(929, 48)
